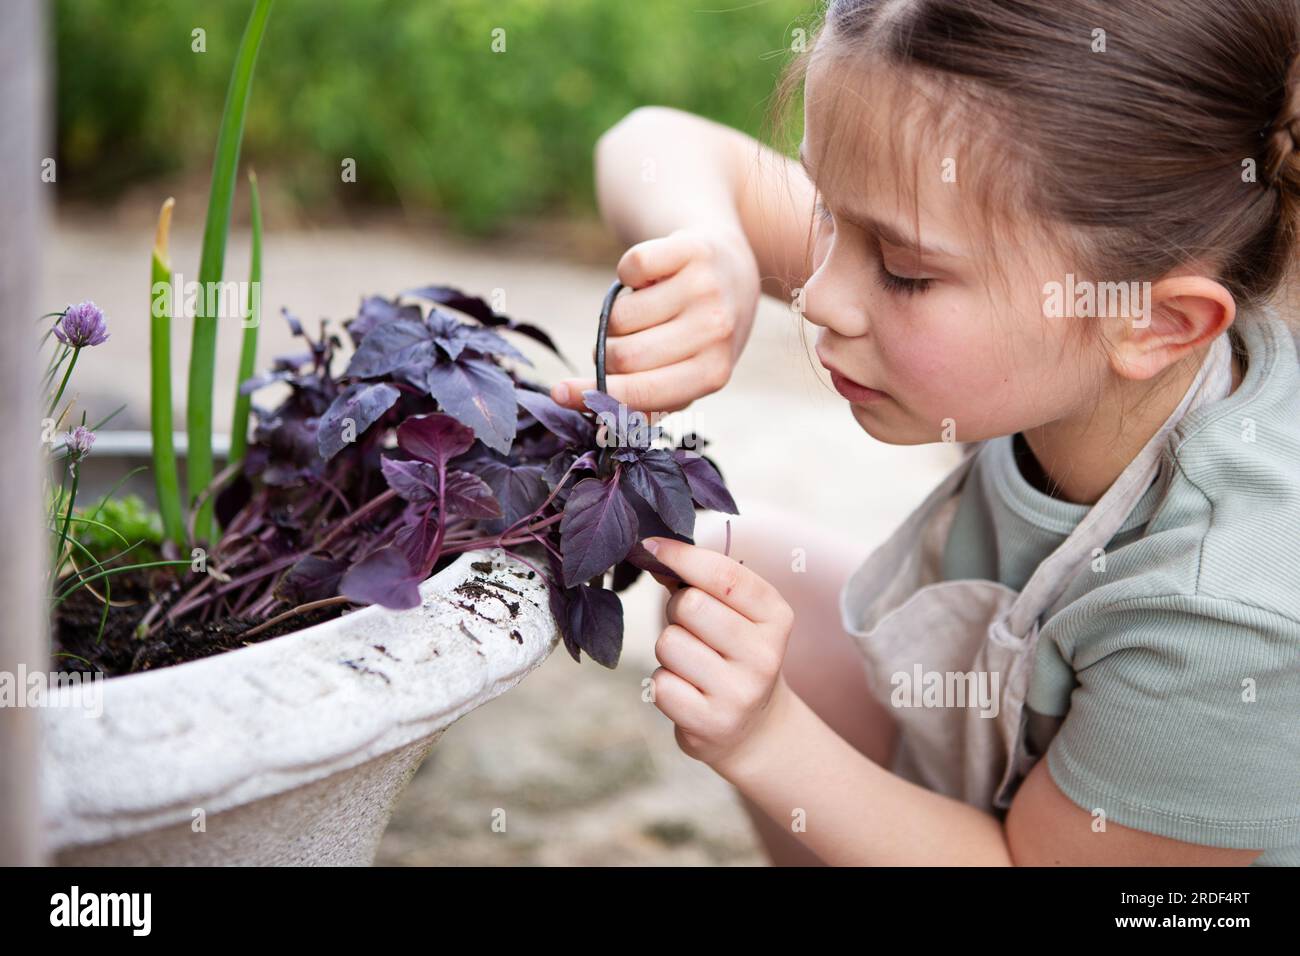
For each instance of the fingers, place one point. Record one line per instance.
(690, 658)
(668, 388)
(718, 626)
(678, 698)
(666, 344)
(651, 305)
(670, 340)
(654, 259)
(732, 583)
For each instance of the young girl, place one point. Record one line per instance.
(1056, 231)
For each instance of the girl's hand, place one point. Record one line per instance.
(677, 336)
(720, 682)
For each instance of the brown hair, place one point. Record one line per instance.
(1143, 137)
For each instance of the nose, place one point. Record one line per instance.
(835, 295)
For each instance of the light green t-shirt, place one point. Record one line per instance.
(1177, 667)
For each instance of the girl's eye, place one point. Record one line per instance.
(905, 285)
(902, 284)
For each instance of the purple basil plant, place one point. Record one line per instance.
(429, 444)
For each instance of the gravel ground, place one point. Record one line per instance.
(580, 769)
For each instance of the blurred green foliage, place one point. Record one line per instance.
(410, 89)
(125, 517)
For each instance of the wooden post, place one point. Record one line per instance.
(23, 198)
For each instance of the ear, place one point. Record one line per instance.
(1182, 314)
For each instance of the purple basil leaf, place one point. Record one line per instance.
(648, 522)
(314, 578)
(601, 403)
(478, 394)
(624, 576)
(558, 599)
(478, 452)
(488, 342)
(596, 619)
(235, 495)
(415, 538)
(470, 305)
(650, 525)
(706, 484)
(416, 481)
(538, 444)
(435, 438)
(295, 326)
(375, 311)
(559, 464)
(468, 496)
(597, 531)
(289, 436)
(264, 379)
(476, 308)
(657, 478)
(557, 467)
(293, 362)
(560, 612)
(363, 403)
(449, 332)
(626, 428)
(399, 344)
(454, 335)
(384, 577)
(520, 490)
(573, 426)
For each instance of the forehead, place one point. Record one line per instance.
(892, 144)
(873, 136)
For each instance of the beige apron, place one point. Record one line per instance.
(951, 660)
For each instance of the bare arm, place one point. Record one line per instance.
(860, 814)
(660, 170)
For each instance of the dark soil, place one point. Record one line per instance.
(78, 646)
(119, 651)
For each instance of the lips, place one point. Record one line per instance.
(854, 391)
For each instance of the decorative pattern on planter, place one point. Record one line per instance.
(296, 749)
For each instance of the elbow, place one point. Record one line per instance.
(631, 125)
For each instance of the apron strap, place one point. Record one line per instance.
(1213, 381)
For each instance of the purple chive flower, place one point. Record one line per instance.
(82, 325)
(78, 441)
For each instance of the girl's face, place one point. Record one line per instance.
(947, 356)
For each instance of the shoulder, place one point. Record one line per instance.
(1235, 480)
(1223, 539)
(1175, 654)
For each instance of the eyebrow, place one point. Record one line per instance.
(884, 230)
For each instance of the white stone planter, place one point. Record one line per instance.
(292, 751)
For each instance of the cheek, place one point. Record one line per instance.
(949, 357)
(940, 347)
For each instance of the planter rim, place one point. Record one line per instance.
(245, 724)
(138, 443)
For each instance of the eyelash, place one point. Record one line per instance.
(903, 285)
